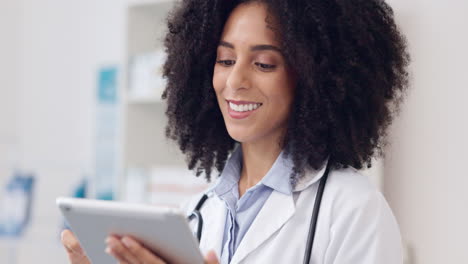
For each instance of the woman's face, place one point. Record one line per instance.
(253, 85)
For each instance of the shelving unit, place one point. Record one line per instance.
(144, 119)
(151, 163)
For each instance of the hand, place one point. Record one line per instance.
(128, 251)
(75, 252)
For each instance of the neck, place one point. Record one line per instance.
(257, 160)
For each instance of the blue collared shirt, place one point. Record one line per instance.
(242, 212)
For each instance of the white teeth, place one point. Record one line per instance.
(243, 108)
(233, 106)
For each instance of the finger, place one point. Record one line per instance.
(75, 252)
(116, 256)
(70, 242)
(211, 258)
(143, 254)
(119, 251)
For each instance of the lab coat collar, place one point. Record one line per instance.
(276, 211)
(310, 177)
(279, 204)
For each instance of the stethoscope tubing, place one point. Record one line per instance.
(196, 214)
(315, 213)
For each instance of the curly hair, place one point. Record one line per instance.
(351, 61)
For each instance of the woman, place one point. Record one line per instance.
(271, 93)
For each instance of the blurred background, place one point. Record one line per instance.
(80, 115)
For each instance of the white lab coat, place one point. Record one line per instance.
(355, 224)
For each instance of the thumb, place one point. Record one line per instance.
(211, 258)
(75, 252)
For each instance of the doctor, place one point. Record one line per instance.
(294, 89)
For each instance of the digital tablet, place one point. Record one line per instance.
(165, 231)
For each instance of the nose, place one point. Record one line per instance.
(238, 77)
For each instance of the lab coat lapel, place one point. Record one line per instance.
(276, 211)
(213, 226)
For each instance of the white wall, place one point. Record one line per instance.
(50, 51)
(9, 70)
(425, 174)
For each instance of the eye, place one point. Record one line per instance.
(264, 66)
(226, 63)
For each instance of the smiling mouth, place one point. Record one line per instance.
(243, 106)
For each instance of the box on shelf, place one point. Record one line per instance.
(163, 185)
(145, 76)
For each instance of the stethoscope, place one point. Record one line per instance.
(313, 222)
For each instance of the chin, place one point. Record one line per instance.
(239, 135)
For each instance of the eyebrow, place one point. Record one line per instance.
(252, 48)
